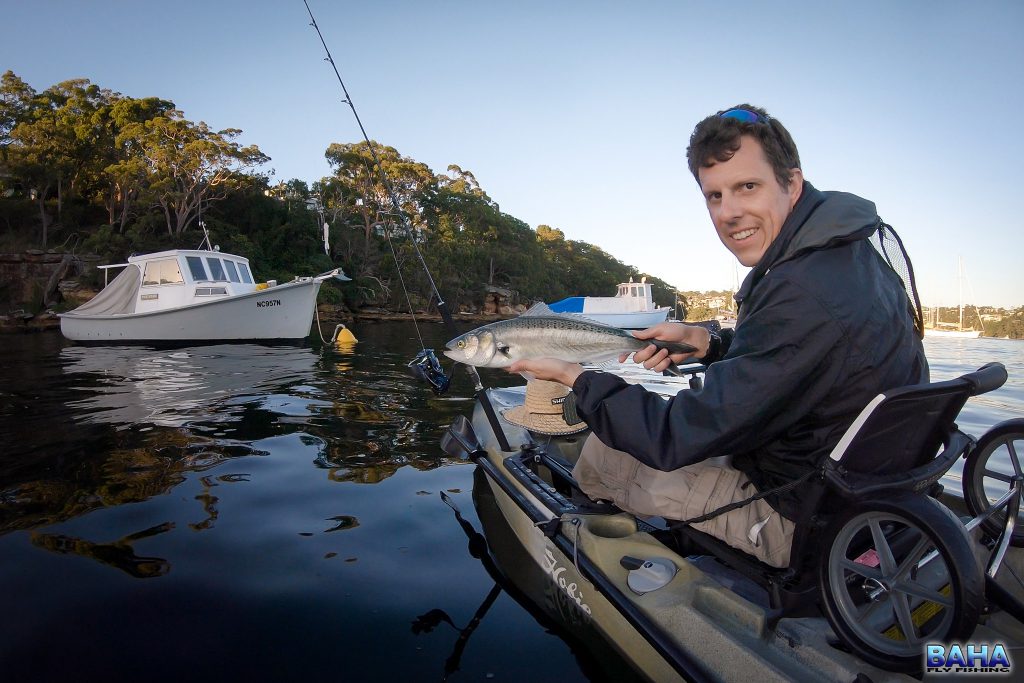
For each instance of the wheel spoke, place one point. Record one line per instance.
(998, 475)
(885, 557)
(913, 557)
(1014, 460)
(903, 616)
(861, 569)
(918, 590)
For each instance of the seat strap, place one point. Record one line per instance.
(747, 501)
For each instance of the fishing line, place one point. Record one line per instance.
(425, 365)
(396, 205)
(391, 244)
(401, 280)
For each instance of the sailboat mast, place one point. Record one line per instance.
(960, 288)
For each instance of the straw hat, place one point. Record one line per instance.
(542, 411)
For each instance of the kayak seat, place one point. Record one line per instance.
(889, 566)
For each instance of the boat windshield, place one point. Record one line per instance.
(243, 270)
(232, 272)
(216, 269)
(162, 272)
(196, 267)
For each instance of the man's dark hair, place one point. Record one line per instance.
(717, 138)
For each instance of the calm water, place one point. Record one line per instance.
(267, 513)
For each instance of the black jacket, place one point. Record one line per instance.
(824, 326)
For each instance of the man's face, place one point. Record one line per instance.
(747, 204)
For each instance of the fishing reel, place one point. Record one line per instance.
(428, 368)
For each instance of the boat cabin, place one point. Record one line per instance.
(181, 277)
(172, 279)
(636, 295)
(631, 308)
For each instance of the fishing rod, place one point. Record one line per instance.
(425, 365)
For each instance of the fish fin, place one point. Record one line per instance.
(528, 376)
(538, 309)
(502, 349)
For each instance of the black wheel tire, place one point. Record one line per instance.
(1005, 441)
(867, 606)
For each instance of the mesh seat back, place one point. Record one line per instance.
(907, 429)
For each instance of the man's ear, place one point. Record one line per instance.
(796, 186)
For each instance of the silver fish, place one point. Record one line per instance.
(540, 333)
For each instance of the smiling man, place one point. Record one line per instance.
(828, 318)
(748, 204)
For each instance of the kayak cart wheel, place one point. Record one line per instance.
(988, 472)
(899, 574)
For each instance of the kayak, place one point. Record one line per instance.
(672, 612)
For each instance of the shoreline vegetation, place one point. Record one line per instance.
(89, 176)
(88, 171)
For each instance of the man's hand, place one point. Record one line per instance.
(551, 369)
(654, 359)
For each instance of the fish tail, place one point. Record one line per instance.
(673, 347)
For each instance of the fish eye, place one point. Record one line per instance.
(462, 343)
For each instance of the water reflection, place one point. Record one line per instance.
(119, 554)
(170, 388)
(135, 422)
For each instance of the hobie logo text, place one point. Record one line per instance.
(980, 658)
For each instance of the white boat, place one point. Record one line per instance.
(951, 333)
(632, 307)
(194, 295)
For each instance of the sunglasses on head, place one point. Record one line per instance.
(744, 115)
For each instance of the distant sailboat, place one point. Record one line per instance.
(956, 330)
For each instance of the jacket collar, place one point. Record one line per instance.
(819, 220)
(810, 199)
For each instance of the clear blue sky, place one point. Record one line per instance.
(577, 114)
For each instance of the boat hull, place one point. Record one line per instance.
(952, 334)
(636, 320)
(281, 313)
(578, 601)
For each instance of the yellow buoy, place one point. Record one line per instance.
(343, 336)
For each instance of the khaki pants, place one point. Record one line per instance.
(757, 529)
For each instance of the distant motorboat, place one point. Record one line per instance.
(632, 307)
(195, 295)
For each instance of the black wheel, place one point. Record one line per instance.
(987, 474)
(898, 574)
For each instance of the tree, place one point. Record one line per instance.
(51, 139)
(358, 185)
(125, 172)
(15, 102)
(28, 155)
(189, 164)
